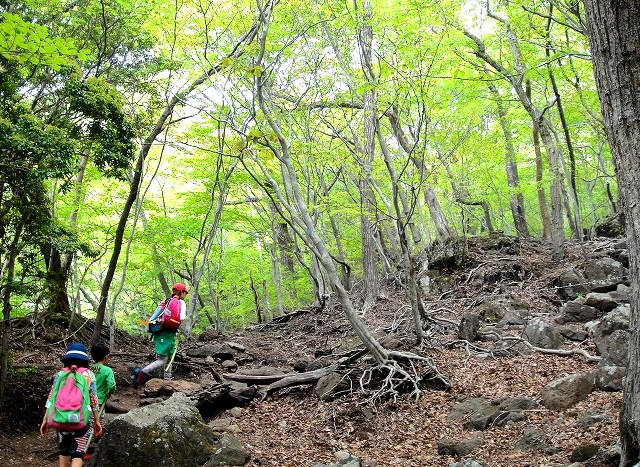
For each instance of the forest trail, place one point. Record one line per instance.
(293, 428)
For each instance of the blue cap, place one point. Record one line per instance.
(77, 350)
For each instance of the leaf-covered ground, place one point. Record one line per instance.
(293, 428)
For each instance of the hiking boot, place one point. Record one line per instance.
(137, 377)
(142, 378)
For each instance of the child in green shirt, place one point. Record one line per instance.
(105, 379)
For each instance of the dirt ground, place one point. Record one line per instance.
(293, 428)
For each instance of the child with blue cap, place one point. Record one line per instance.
(72, 444)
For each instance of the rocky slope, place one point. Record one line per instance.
(292, 427)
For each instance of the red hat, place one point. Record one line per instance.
(180, 287)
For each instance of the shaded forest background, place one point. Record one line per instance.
(269, 154)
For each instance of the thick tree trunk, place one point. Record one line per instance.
(614, 39)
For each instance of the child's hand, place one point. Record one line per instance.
(43, 426)
(97, 429)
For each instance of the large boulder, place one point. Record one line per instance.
(604, 274)
(541, 334)
(566, 392)
(167, 434)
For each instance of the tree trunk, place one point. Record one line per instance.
(345, 270)
(299, 212)
(369, 263)
(614, 40)
(541, 124)
(402, 220)
(443, 231)
(516, 200)
(5, 325)
(575, 220)
(542, 197)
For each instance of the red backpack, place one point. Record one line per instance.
(171, 315)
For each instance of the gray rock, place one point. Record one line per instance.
(230, 452)
(168, 434)
(572, 284)
(566, 392)
(469, 326)
(458, 448)
(332, 385)
(469, 463)
(604, 274)
(533, 440)
(541, 334)
(601, 301)
(608, 377)
(577, 312)
(614, 347)
(478, 413)
(220, 351)
(584, 452)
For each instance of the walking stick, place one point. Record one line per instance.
(87, 456)
(175, 350)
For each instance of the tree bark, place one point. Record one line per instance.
(614, 39)
(367, 198)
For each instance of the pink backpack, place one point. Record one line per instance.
(170, 318)
(70, 404)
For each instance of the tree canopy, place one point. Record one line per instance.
(270, 153)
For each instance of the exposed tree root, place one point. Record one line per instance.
(400, 373)
(492, 352)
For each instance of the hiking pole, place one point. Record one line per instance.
(87, 456)
(175, 350)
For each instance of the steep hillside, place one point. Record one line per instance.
(291, 427)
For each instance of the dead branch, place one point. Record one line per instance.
(296, 379)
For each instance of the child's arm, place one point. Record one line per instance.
(111, 384)
(95, 406)
(44, 425)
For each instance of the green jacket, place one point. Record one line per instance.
(105, 381)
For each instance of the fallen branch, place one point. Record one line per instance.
(296, 379)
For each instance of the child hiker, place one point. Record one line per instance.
(164, 341)
(105, 379)
(73, 428)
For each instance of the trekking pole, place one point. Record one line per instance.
(175, 350)
(87, 456)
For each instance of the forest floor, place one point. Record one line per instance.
(293, 427)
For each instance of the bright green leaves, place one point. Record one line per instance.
(107, 126)
(28, 43)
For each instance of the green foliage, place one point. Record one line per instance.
(30, 44)
(97, 90)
